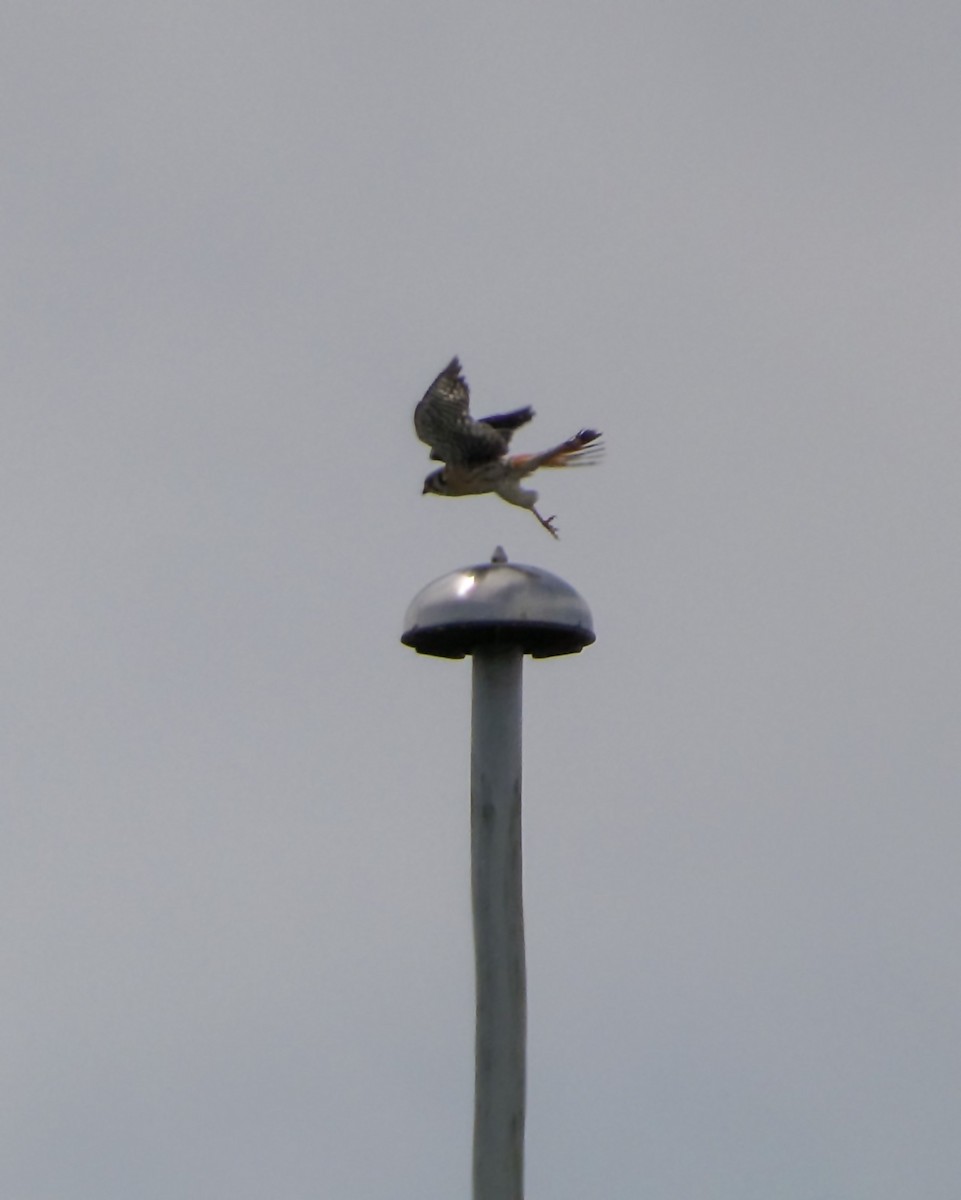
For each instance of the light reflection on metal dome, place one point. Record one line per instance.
(498, 603)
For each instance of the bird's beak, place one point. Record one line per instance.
(424, 490)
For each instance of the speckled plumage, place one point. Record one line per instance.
(475, 451)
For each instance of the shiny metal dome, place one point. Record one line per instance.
(498, 603)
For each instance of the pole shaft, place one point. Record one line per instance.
(496, 888)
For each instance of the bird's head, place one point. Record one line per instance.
(436, 482)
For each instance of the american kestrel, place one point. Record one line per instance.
(474, 453)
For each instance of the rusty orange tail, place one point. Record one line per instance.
(582, 450)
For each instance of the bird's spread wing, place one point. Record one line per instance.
(506, 423)
(442, 420)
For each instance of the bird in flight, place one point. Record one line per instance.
(474, 453)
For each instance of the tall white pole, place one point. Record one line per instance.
(497, 612)
(496, 889)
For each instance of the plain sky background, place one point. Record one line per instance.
(239, 240)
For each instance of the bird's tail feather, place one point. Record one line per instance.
(582, 450)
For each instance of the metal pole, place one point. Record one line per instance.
(500, 1046)
(497, 612)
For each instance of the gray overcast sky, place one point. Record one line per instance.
(239, 240)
